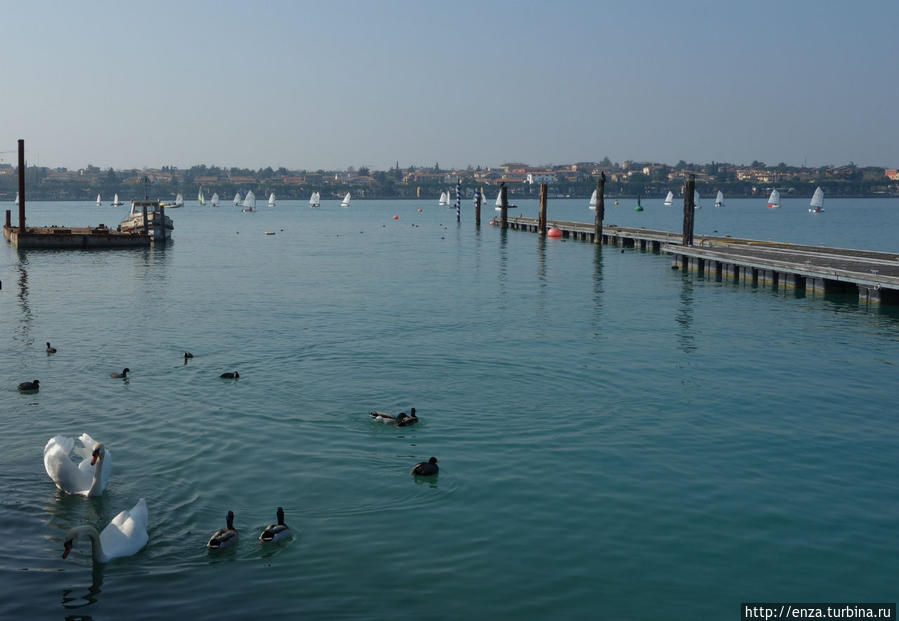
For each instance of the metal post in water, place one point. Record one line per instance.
(21, 185)
(458, 199)
(600, 208)
(689, 210)
(503, 206)
(541, 214)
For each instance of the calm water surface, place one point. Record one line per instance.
(616, 440)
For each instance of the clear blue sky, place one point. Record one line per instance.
(338, 83)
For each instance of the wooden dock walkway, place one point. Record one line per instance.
(873, 275)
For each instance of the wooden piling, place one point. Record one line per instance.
(477, 208)
(21, 185)
(146, 224)
(689, 211)
(541, 215)
(600, 208)
(503, 207)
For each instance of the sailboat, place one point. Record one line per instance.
(236, 199)
(719, 200)
(249, 201)
(817, 201)
(179, 200)
(499, 202)
(215, 199)
(271, 199)
(116, 202)
(17, 199)
(444, 198)
(696, 204)
(346, 200)
(98, 200)
(670, 198)
(314, 200)
(774, 199)
(200, 198)
(592, 204)
(483, 197)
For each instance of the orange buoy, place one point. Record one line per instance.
(396, 217)
(554, 232)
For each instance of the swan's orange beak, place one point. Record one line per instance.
(94, 456)
(68, 548)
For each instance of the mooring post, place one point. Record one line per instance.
(503, 206)
(477, 209)
(21, 185)
(600, 208)
(146, 224)
(8, 220)
(541, 215)
(689, 209)
(161, 222)
(459, 199)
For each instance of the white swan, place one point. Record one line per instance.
(125, 535)
(87, 478)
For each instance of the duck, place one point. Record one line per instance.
(230, 375)
(50, 350)
(87, 478)
(123, 374)
(124, 536)
(275, 532)
(224, 537)
(400, 420)
(425, 468)
(187, 354)
(30, 386)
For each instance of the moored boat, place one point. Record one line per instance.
(158, 225)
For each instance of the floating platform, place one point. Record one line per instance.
(873, 275)
(73, 237)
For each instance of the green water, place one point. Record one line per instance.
(616, 440)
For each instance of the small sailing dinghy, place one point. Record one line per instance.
(774, 199)
(696, 204)
(116, 202)
(271, 199)
(670, 198)
(315, 200)
(98, 200)
(346, 200)
(719, 200)
(817, 202)
(592, 203)
(499, 202)
(215, 199)
(249, 201)
(236, 199)
(444, 198)
(200, 198)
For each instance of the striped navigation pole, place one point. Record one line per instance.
(458, 199)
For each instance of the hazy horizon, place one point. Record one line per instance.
(351, 84)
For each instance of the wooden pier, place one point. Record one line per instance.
(873, 275)
(72, 237)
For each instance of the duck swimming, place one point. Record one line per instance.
(30, 386)
(50, 350)
(187, 354)
(125, 535)
(86, 478)
(123, 374)
(224, 537)
(400, 420)
(275, 532)
(426, 468)
(230, 375)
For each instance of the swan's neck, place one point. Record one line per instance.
(97, 552)
(97, 479)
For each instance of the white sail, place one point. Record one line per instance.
(499, 199)
(17, 199)
(116, 202)
(249, 201)
(483, 197)
(236, 199)
(346, 200)
(215, 199)
(774, 199)
(179, 200)
(670, 198)
(271, 199)
(98, 200)
(314, 200)
(817, 200)
(592, 204)
(696, 204)
(444, 198)
(719, 200)
(201, 198)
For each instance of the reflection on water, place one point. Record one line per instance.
(503, 269)
(75, 598)
(684, 317)
(597, 289)
(542, 285)
(24, 328)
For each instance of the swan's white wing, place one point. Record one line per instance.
(61, 469)
(86, 448)
(127, 533)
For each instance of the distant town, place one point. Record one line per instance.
(627, 178)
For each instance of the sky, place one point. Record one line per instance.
(338, 84)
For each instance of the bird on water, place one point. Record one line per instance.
(123, 374)
(187, 354)
(230, 375)
(275, 532)
(50, 350)
(426, 468)
(30, 386)
(400, 420)
(224, 537)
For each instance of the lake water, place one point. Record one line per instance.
(616, 439)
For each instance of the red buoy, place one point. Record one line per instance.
(396, 217)
(554, 232)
